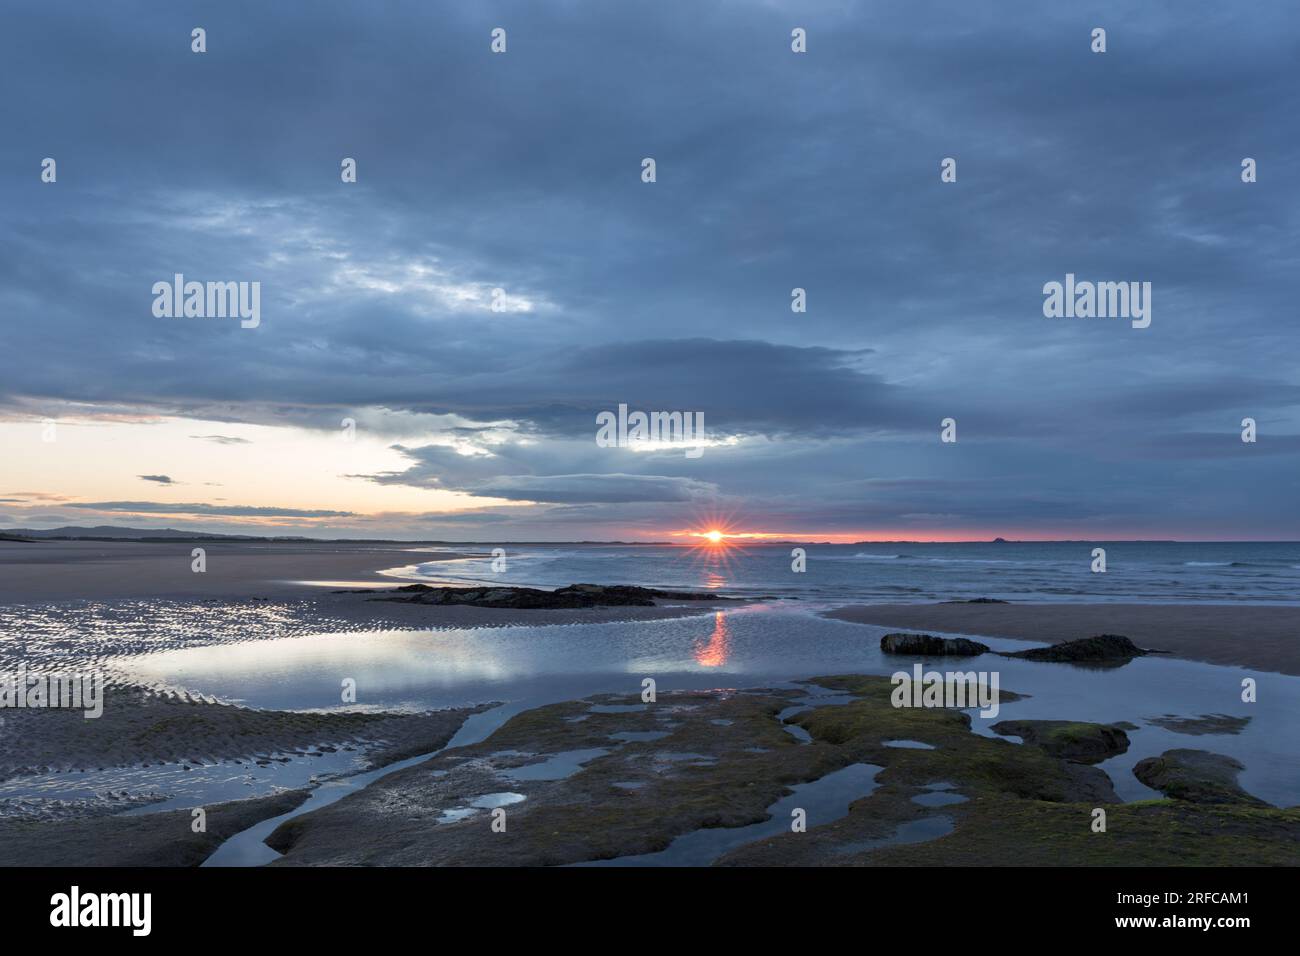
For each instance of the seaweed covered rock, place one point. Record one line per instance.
(573, 596)
(1100, 649)
(1197, 776)
(1076, 741)
(927, 645)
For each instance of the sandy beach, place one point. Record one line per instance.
(115, 570)
(317, 581)
(1258, 637)
(82, 606)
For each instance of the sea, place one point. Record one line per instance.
(1055, 571)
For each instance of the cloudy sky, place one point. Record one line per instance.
(521, 171)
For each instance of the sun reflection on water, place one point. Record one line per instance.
(714, 651)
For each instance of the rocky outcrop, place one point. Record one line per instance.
(1076, 741)
(573, 596)
(1196, 776)
(1101, 649)
(927, 645)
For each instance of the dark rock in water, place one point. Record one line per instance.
(1101, 648)
(1196, 776)
(927, 645)
(1204, 724)
(979, 600)
(1077, 741)
(573, 596)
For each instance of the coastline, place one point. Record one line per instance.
(54, 601)
(1256, 636)
(56, 610)
(53, 571)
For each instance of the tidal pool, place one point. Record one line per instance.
(823, 800)
(765, 646)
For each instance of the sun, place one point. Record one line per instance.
(714, 536)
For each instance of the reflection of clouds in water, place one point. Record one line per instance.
(741, 647)
(378, 661)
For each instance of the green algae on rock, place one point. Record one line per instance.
(650, 773)
(1197, 776)
(1079, 741)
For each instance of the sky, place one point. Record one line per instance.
(381, 394)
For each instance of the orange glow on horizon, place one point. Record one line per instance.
(711, 536)
(719, 536)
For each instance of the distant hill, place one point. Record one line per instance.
(114, 533)
(110, 532)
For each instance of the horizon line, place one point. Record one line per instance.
(40, 534)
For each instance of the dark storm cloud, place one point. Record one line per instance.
(593, 488)
(774, 171)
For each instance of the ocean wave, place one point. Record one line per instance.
(976, 561)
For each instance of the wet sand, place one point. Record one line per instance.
(140, 726)
(161, 839)
(1258, 637)
(120, 570)
(306, 583)
(69, 606)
